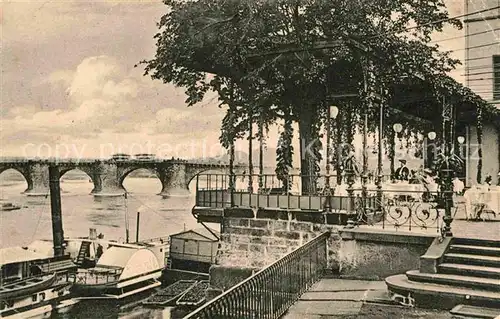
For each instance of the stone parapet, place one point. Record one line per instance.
(256, 243)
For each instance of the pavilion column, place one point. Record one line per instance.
(337, 151)
(445, 169)
(479, 126)
(368, 83)
(232, 180)
(392, 151)
(250, 151)
(261, 151)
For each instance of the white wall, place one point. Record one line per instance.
(480, 60)
(491, 149)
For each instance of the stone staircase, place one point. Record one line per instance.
(454, 272)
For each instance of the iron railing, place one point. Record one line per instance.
(97, 277)
(270, 183)
(407, 210)
(271, 291)
(403, 206)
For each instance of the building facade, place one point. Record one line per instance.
(482, 75)
(482, 48)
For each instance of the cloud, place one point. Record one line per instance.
(97, 77)
(105, 98)
(61, 76)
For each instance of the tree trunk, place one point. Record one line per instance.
(308, 160)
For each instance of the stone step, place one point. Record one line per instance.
(476, 242)
(466, 311)
(469, 259)
(476, 250)
(469, 270)
(430, 295)
(455, 280)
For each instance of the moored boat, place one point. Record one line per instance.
(33, 284)
(123, 270)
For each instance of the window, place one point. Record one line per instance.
(33, 298)
(42, 296)
(496, 77)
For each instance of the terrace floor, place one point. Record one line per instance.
(349, 299)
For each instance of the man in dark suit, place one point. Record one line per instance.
(403, 172)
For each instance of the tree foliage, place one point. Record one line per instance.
(285, 58)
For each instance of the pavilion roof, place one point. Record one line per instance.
(424, 99)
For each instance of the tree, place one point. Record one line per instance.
(286, 57)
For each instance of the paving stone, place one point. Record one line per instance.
(325, 308)
(345, 285)
(377, 311)
(333, 296)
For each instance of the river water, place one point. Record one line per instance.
(108, 215)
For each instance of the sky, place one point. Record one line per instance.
(69, 87)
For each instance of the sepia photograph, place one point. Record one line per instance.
(250, 159)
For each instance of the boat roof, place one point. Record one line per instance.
(12, 255)
(104, 242)
(202, 231)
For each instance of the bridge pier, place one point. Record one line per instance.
(174, 181)
(107, 180)
(37, 177)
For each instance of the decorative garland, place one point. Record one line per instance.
(479, 122)
(392, 151)
(284, 154)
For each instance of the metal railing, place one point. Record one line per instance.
(271, 291)
(94, 277)
(409, 206)
(270, 183)
(407, 210)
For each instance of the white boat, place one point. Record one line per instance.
(33, 284)
(123, 270)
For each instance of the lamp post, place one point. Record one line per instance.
(461, 141)
(398, 128)
(446, 186)
(431, 136)
(332, 111)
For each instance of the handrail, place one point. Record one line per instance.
(271, 291)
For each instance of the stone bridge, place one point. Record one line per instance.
(108, 175)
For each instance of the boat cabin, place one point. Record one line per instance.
(119, 272)
(29, 279)
(194, 250)
(18, 263)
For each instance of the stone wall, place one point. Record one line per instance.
(256, 243)
(376, 254)
(251, 241)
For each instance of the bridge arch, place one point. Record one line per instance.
(87, 176)
(140, 171)
(21, 172)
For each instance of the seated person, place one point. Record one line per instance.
(403, 172)
(458, 186)
(488, 180)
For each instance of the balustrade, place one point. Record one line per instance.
(271, 291)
